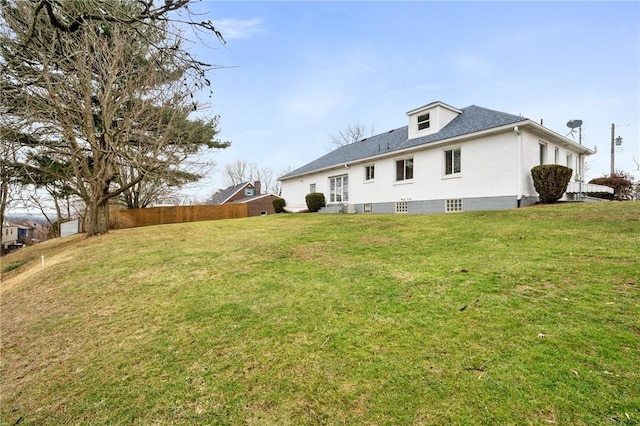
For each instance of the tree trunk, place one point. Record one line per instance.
(98, 218)
(4, 197)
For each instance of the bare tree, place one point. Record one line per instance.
(242, 171)
(102, 85)
(236, 173)
(348, 135)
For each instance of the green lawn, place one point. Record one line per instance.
(528, 316)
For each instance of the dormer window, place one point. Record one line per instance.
(423, 121)
(430, 119)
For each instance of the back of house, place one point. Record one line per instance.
(445, 160)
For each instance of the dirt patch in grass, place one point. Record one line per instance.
(27, 258)
(33, 271)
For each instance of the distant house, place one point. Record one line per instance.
(246, 193)
(15, 235)
(445, 160)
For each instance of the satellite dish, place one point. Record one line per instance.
(574, 124)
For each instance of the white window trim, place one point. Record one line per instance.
(427, 121)
(342, 186)
(365, 173)
(543, 151)
(444, 163)
(404, 181)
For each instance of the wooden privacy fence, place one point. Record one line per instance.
(176, 214)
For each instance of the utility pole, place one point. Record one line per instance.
(613, 134)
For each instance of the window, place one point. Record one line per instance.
(312, 187)
(248, 192)
(339, 189)
(402, 207)
(369, 173)
(453, 205)
(452, 161)
(569, 160)
(556, 156)
(404, 169)
(543, 153)
(423, 121)
(367, 208)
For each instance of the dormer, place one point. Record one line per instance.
(430, 119)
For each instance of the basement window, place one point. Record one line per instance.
(453, 205)
(402, 207)
(367, 208)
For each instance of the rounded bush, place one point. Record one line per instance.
(315, 201)
(278, 204)
(550, 181)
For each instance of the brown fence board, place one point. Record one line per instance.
(175, 214)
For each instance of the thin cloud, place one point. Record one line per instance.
(232, 28)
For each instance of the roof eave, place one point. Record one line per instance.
(405, 150)
(563, 140)
(432, 105)
(499, 129)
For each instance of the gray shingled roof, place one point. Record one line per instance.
(226, 193)
(473, 119)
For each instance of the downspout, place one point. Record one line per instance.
(519, 150)
(580, 167)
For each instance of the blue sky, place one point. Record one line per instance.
(298, 72)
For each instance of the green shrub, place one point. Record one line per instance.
(315, 201)
(550, 181)
(278, 204)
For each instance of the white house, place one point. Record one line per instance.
(445, 160)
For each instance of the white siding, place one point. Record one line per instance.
(490, 168)
(439, 116)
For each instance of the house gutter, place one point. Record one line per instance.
(520, 177)
(400, 152)
(456, 139)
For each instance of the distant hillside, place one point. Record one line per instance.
(36, 218)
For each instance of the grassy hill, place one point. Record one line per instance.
(529, 316)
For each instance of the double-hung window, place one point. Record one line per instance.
(404, 169)
(452, 162)
(369, 173)
(543, 153)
